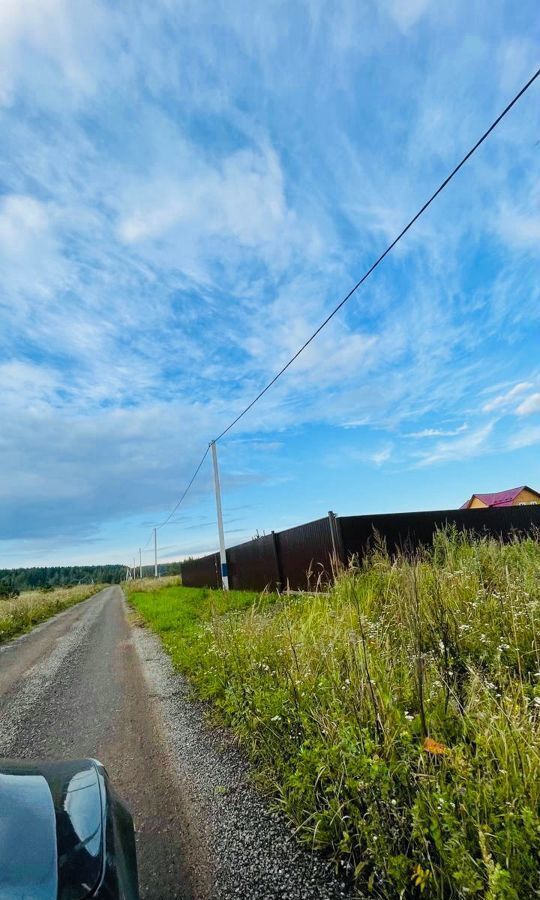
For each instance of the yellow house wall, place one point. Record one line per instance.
(526, 496)
(477, 504)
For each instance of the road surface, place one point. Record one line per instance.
(88, 683)
(74, 687)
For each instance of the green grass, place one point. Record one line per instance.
(396, 721)
(20, 614)
(178, 614)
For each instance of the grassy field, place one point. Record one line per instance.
(397, 722)
(21, 613)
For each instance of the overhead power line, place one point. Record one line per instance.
(378, 261)
(180, 501)
(353, 290)
(196, 472)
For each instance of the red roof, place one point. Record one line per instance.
(502, 498)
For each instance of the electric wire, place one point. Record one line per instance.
(378, 261)
(353, 290)
(186, 491)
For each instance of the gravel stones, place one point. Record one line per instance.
(240, 848)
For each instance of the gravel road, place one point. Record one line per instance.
(88, 683)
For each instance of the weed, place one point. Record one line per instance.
(396, 720)
(21, 613)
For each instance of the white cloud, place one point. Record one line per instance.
(526, 437)
(22, 220)
(33, 266)
(187, 202)
(48, 35)
(507, 399)
(241, 198)
(379, 457)
(529, 405)
(472, 444)
(437, 432)
(25, 385)
(519, 228)
(407, 13)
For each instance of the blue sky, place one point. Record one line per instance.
(186, 190)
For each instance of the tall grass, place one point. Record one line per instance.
(397, 721)
(21, 613)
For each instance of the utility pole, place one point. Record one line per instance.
(155, 554)
(222, 553)
(140, 563)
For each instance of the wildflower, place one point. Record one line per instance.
(275, 719)
(408, 716)
(504, 647)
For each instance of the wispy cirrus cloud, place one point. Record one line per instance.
(472, 444)
(529, 406)
(437, 432)
(184, 197)
(508, 399)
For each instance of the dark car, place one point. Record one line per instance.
(64, 834)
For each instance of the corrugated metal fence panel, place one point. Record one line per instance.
(300, 558)
(305, 554)
(203, 572)
(253, 566)
(409, 531)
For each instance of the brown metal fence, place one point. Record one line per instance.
(305, 555)
(203, 572)
(254, 566)
(301, 558)
(407, 532)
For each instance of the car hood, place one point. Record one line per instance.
(51, 830)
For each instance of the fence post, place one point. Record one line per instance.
(338, 552)
(277, 558)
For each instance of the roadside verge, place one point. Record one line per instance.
(20, 614)
(396, 720)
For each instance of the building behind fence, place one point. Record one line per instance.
(303, 558)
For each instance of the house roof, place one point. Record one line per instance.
(501, 498)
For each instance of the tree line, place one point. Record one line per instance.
(13, 581)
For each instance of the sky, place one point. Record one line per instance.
(186, 190)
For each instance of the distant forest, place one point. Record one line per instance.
(13, 581)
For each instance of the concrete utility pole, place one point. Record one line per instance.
(222, 553)
(140, 563)
(155, 554)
